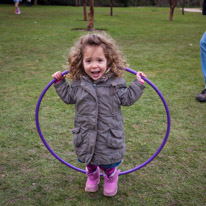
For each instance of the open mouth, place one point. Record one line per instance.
(96, 72)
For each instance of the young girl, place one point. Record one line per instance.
(98, 91)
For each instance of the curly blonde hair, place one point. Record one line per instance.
(115, 60)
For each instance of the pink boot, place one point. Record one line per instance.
(110, 183)
(93, 180)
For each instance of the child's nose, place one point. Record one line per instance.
(94, 64)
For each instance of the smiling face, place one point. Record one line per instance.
(94, 62)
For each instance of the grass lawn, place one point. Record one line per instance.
(35, 44)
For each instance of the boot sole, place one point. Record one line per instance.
(110, 194)
(92, 190)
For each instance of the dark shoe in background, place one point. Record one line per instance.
(202, 96)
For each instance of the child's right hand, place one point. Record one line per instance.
(58, 75)
(138, 76)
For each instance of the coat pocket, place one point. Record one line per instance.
(77, 138)
(115, 139)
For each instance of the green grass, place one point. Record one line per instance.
(35, 44)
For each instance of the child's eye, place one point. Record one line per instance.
(100, 60)
(88, 61)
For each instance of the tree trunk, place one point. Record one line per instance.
(90, 26)
(85, 10)
(172, 8)
(135, 3)
(35, 2)
(78, 2)
(111, 7)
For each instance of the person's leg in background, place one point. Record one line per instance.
(202, 96)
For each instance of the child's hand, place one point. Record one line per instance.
(58, 76)
(139, 77)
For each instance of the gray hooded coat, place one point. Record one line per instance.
(98, 134)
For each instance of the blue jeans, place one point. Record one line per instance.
(203, 55)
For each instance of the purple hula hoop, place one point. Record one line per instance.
(122, 173)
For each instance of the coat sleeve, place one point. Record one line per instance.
(65, 92)
(129, 95)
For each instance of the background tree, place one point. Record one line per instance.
(85, 10)
(111, 7)
(78, 2)
(90, 26)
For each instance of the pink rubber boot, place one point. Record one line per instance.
(93, 180)
(110, 183)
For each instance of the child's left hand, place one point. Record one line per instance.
(139, 77)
